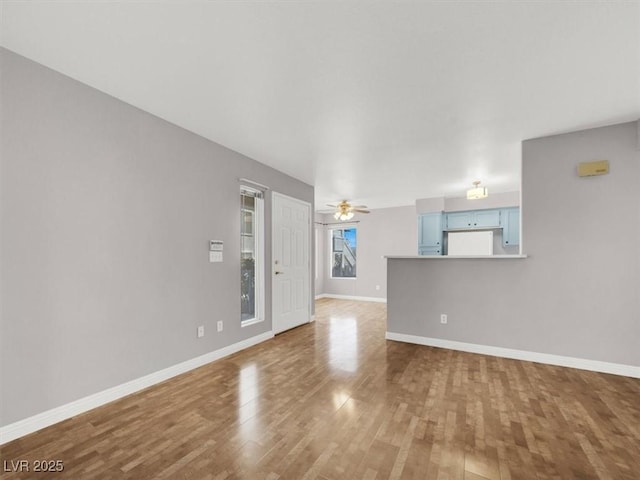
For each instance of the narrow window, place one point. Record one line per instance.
(251, 256)
(343, 253)
(317, 248)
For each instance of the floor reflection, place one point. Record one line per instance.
(339, 399)
(248, 398)
(343, 343)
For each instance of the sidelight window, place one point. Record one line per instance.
(251, 256)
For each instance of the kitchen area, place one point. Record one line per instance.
(462, 227)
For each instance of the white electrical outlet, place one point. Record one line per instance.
(443, 318)
(201, 331)
(377, 287)
(220, 325)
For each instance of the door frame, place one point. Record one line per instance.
(310, 244)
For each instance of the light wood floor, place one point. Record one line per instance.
(334, 400)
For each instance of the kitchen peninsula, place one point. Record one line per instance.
(553, 300)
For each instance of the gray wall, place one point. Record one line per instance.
(106, 216)
(430, 205)
(494, 200)
(456, 204)
(385, 231)
(578, 293)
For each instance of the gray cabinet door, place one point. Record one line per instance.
(459, 220)
(430, 232)
(429, 251)
(486, 219)
(511, 227)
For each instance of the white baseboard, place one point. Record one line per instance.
(63, 412)
(351, 297)
(580, 363)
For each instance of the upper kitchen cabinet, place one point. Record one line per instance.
(473, 219)
(430, 234)
(432, 227)
(510, 226)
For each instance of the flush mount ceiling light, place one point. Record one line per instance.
(477, 192)
(345, 211)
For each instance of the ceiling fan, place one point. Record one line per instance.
(345, 211)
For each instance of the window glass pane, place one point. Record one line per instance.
(247, 259)
(343, 249)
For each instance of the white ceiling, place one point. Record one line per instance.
(377, 102)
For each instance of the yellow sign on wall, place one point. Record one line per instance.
(589, 169)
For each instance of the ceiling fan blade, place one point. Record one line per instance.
(345, 206)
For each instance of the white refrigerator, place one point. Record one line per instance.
(470, 243)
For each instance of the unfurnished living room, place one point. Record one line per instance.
(320, 240)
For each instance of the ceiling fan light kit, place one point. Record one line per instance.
(477, 192)
(345, 211)
(343, 216)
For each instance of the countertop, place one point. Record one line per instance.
(455, 257)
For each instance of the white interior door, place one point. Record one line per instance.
(291, 269)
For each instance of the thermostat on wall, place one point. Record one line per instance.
(215, 250)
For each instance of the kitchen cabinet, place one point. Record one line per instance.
(473, 219)
(459, 220)
(430, 234)
(431, 226)
(510, 226)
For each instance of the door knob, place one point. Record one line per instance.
(278, 273)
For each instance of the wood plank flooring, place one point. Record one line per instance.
(334, 400)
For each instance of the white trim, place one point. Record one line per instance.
(255, 184)
(251, 321)
(63, 412)
(351, 297)
(547, 358)
(259, 233)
